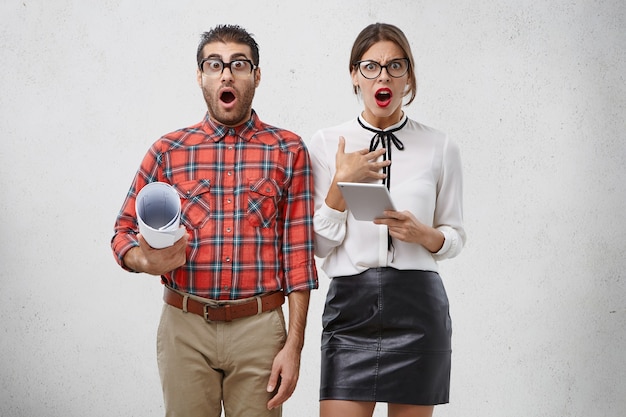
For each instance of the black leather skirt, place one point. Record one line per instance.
(386, 338)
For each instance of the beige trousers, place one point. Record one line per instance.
(206, 365)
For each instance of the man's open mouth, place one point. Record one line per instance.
(227, 97)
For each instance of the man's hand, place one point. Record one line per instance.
(286, 365)
(284, 376)
(145, 258)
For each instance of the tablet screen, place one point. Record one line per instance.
(366, 201)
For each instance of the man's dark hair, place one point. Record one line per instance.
(228, 33)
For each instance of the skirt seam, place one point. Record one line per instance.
(351, 347)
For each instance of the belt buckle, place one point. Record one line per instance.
(205, 310)
(217, 306)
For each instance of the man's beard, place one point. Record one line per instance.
(235, 116)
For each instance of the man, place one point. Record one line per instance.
(246, 202)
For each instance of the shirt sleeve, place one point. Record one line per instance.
(330, 229)
(125, 229)
(330, 224)
(298, 243)
(449, 208)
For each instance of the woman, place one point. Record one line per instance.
(387, 329)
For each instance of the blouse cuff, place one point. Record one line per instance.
(334, 216)
(450, 242)
(330, 229)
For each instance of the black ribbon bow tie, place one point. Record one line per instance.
(385, 138)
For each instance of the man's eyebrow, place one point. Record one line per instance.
(238, 55)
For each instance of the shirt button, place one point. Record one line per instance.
(228, 229)
(228, 259)
(229, 173)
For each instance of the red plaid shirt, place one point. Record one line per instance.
(247, 203)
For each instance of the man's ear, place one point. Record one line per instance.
(257, 77)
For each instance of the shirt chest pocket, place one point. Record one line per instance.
(263, 197)
(196, 204)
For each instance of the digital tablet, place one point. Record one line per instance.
(366, 201)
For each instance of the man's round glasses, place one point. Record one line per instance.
(372, 69)
(214, 67)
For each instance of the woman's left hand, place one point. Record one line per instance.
(404, 226)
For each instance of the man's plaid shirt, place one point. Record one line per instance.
(247, 204)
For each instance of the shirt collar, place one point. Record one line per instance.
(402, 119)
(216, 132)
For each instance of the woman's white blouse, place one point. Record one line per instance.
(426, 179)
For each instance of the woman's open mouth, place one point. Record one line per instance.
(383, 97)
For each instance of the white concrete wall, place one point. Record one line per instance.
(533, 91)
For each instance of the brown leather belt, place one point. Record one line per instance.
(221, 311)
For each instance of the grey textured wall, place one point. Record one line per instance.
(532, 91)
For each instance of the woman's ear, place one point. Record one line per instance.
(355, 79)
